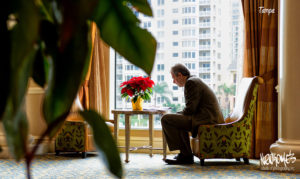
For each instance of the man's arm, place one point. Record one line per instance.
(192, 97)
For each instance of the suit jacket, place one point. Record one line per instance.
(201, 104)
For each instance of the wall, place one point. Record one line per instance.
(37, 125)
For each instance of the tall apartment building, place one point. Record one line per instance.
(197, 33)
(230, 52)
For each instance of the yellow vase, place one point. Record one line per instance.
(138, 105)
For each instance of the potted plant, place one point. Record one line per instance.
(138, 89)
(50, 42)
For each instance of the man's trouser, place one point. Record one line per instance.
(176, 128)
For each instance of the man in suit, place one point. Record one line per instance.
(201, 107)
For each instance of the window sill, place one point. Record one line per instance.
(142, 132)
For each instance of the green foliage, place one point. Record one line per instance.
(145, 95)
(140, 120)
(50, 42)
(17, 68)
(174, 107)
(119, 28)
(227, 90)
(163, 90)
(104, 141)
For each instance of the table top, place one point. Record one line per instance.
(161, 110)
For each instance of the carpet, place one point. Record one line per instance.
(140, 166)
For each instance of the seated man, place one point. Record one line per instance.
(202, 107)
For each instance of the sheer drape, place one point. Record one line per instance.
(84, 89)
(99, 77)
(94, 93)
(261, 59)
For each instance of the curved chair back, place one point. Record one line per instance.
(243, 99)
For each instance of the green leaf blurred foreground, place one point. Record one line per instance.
(50, 41)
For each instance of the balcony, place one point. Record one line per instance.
(204, 59)
(204, 2)
(204, 69)
(204, 36)
(204, 47)
(119, 60)
(119, 81)
(204, 13)
(207, 81)
(119, 71)
(204, 24)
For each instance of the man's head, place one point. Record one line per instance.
(179, 74)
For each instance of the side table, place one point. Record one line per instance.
(128, 113)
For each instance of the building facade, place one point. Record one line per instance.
(205, 35)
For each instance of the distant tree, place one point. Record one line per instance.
(161, 89)
(227, 91)
(174, 107)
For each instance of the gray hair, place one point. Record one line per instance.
(180, 68)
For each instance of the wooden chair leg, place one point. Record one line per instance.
(202, 162)
(246, 161)
(238, 159)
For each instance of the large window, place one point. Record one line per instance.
(206, 36)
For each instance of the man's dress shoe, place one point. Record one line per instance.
(181, 160)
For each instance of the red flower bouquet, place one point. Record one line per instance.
(137, 87)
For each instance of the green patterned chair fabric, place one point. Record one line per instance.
(75, 135)
(71, 137)
(234, 138)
